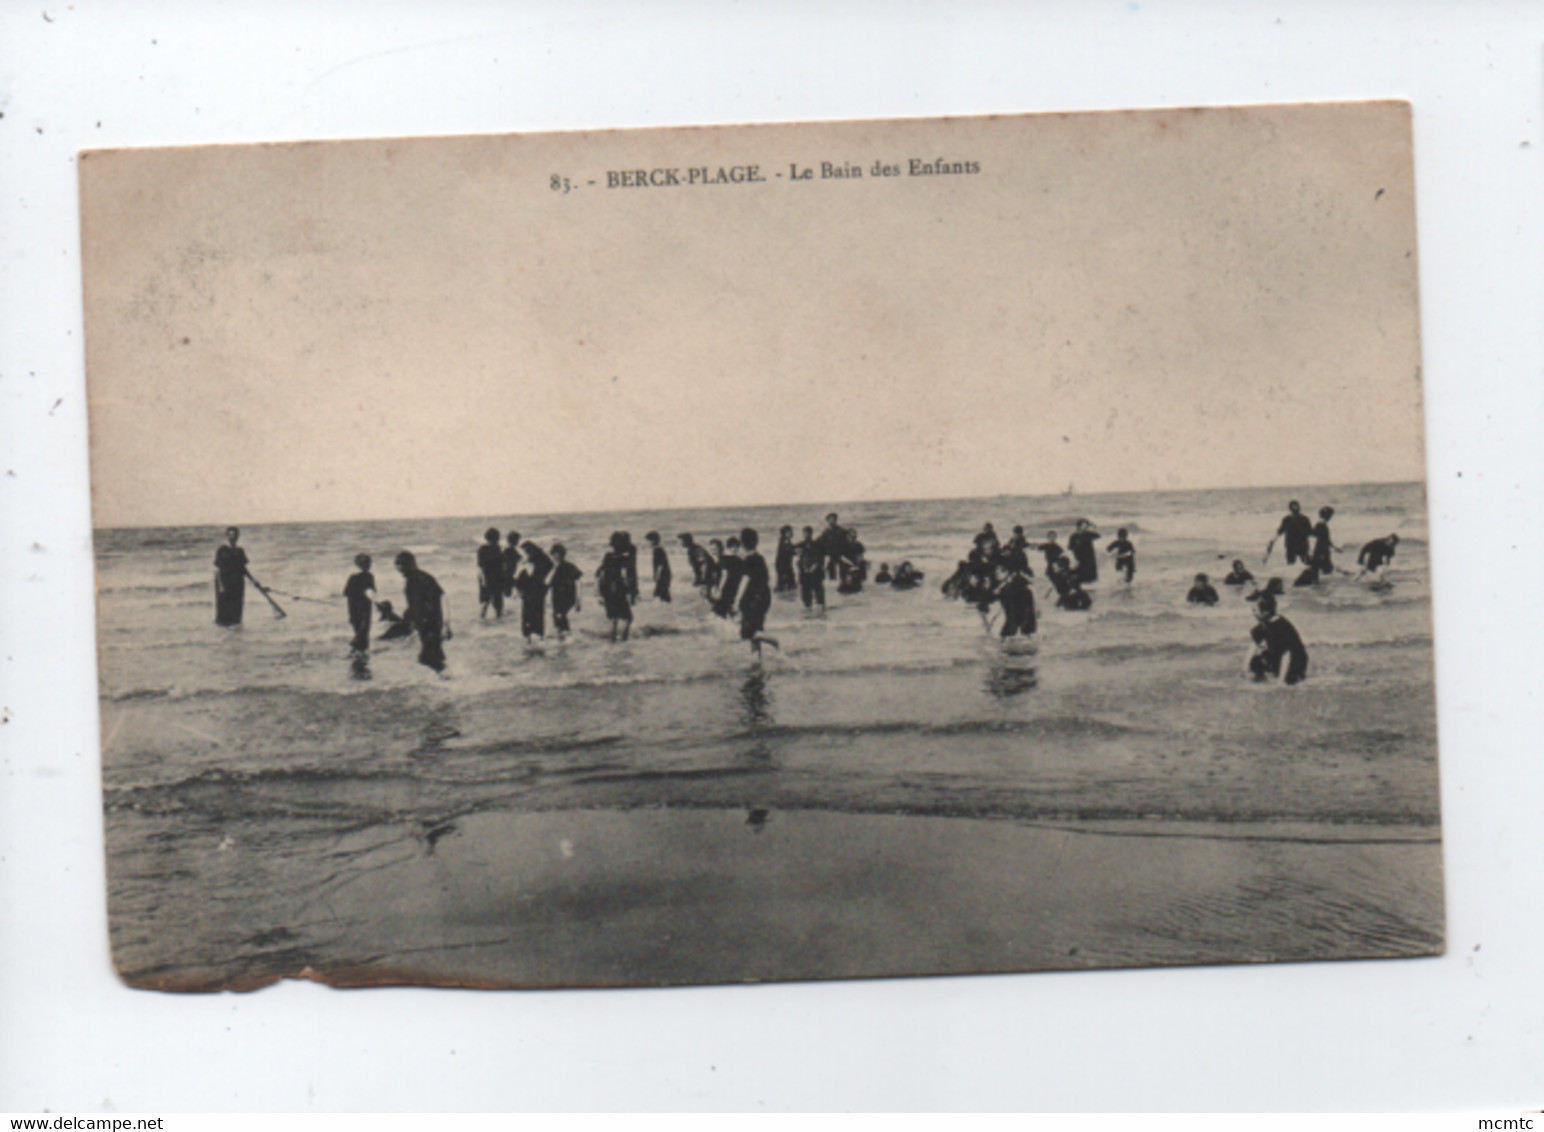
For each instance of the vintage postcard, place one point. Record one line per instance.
(764, 552)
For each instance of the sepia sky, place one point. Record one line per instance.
(396, 328)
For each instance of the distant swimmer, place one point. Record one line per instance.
(1083, 545)
(1275, 639)
(230, 580)
(1239, 576)
(882, 578)
(1296, 529)
(1125, 554)
(696, 557)
(1203, 592)
(1376, 555)
(1016, 594)
(1320, 558)
(425, 611)
(755, 595)
(787, 553)
(908, 577)
(492, 579)
(565, 589)
(660, 565)
(361, 595)
(611, 585)
(733, 570)
(531, 581)
(812, 571)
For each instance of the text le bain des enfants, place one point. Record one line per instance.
(699, 175)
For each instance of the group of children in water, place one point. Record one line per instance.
(733, 577)
(997, 574)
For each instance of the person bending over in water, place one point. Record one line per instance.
(565, 589)
(1125, 554)
(1275, 639)
(1239, 576)
(1309, 577)
(611, 585)
(787, 552)
(908, 577)
(1376, 555)
(1203, 592)
(755, 595)
(361, 595)
(696, 558)
(491, 576)
(425, 611)
(661, 565)
(1016, 595)
(1296, 528)
(1083, 544)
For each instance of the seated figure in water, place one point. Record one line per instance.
(1203, 592)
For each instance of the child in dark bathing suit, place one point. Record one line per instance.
(787, 552)
(661, 566)
(733, 569)
(812, 571)
(1125, 554)
(360, 592)
(490, 575)
(1016, 595)
(565, 589)
(755, 595)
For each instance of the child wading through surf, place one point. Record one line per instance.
(755, 595)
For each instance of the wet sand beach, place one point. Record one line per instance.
(668, 896)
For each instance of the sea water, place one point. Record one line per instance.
(247, 770)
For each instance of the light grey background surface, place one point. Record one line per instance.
(1462, 1031)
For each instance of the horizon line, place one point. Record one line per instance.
(488, 516)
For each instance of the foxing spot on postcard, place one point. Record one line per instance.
(764, 552)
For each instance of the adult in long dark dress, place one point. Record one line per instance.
(1082, 544)
(425, 610)
(230, 580)
(611, 585)
(787, 552)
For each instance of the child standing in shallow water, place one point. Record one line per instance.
(360, 592)
(565, 589)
